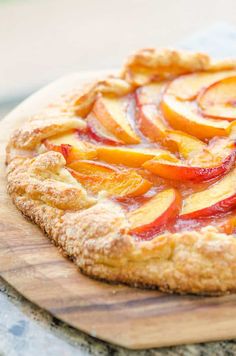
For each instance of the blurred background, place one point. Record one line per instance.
(45, 39)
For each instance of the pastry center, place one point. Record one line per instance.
(165, 153)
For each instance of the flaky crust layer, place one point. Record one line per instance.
(93, 232)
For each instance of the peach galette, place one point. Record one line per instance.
(134, 176)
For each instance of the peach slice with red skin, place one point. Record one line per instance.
(218, 198)
(188, 86)
(183, 116)
(150, 123)
(98, 132)
(187, 145)
(148, 118)
(131, 157)
(152, 217)
(183, 172)
(70, 145)
(219, 99)
(112, 113)
(116, 184)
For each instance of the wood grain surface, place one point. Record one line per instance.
(129, 317)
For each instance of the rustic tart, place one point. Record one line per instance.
(133, 176)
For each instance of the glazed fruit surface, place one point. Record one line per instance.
(166, 153)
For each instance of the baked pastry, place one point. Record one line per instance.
(133, 177)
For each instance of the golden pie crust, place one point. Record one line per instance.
(93, 232)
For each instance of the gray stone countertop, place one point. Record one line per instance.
(26, 330)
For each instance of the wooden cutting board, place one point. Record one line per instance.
(129, 317)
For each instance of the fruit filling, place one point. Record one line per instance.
(166, 153)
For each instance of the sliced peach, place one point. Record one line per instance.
(153, 216)
(218, 198)
(187, 145)
(131, 157)
(150, 123)
(92, 167)
(113, 114)
(219, 99)
(220, 147)
(98, 132)
(115, 184)
(187, 87)
(71, 147)
(148, 118)
(183, 116)
(182, 171)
